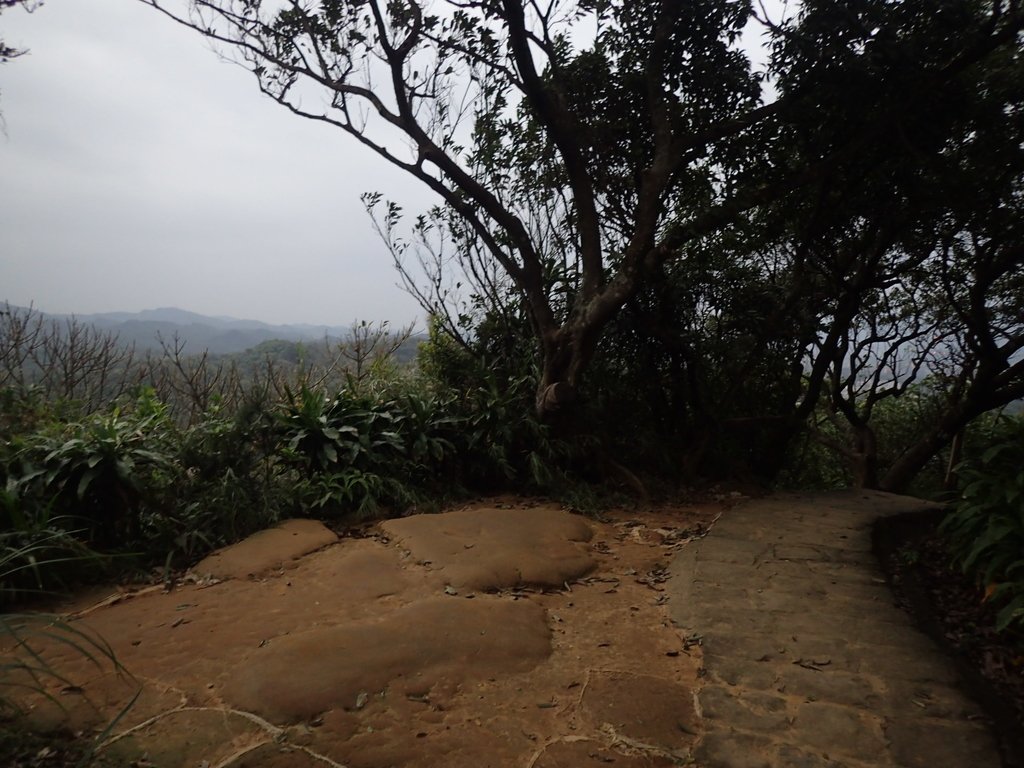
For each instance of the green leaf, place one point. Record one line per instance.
(85, 481)
(330, 452)
(1012, 613)
(993, 452)
(992, 536)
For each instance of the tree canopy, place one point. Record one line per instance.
(609, 167)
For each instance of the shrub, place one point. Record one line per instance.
(985, 530)
(501, 442)
(226, 485)
(38, 555)
(100, 471)
(356, 452)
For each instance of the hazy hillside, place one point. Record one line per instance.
(218, 335)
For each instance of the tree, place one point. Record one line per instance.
(585, 150)
(8, 52)
(489, 95)
(936, 300)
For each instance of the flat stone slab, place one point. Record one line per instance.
(358, 655)
(266, 550)
(807, 661)
(489, 548)
(406, 653)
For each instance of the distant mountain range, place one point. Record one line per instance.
(218, 335)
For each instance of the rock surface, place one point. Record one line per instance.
(807, 660)
(773, 642)
(266, 550)
(407, 652)
(488, 548)
(358, 654)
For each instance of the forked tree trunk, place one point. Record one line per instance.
(566, 354)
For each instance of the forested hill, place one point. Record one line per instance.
(217, 335)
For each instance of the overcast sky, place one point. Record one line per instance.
(138, 171)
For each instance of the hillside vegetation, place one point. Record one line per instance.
(653, 263)
(168, 456)
(113, 463)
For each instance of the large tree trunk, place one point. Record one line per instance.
(917, 456)
(863, 457)
(556, 389)
(567, 351)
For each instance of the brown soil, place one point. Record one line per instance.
(506, 633)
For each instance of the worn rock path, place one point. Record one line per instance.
(735, 633)
(807, 662)
(507, 633)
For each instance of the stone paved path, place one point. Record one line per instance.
(807, 662)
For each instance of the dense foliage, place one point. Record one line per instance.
(194, 454)
(622, 188)
(986, 527)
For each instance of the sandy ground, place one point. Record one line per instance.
(507, 633)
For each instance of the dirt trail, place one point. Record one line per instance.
(503, 634)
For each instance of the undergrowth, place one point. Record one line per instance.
(985, 529)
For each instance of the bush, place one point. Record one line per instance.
(357, 453)
(226, 485)
(985, 530)
(39, 555)
(810, 463)
(99, 472)
(130, 481)
(167, 482)
(487, 405)
(219, 453)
